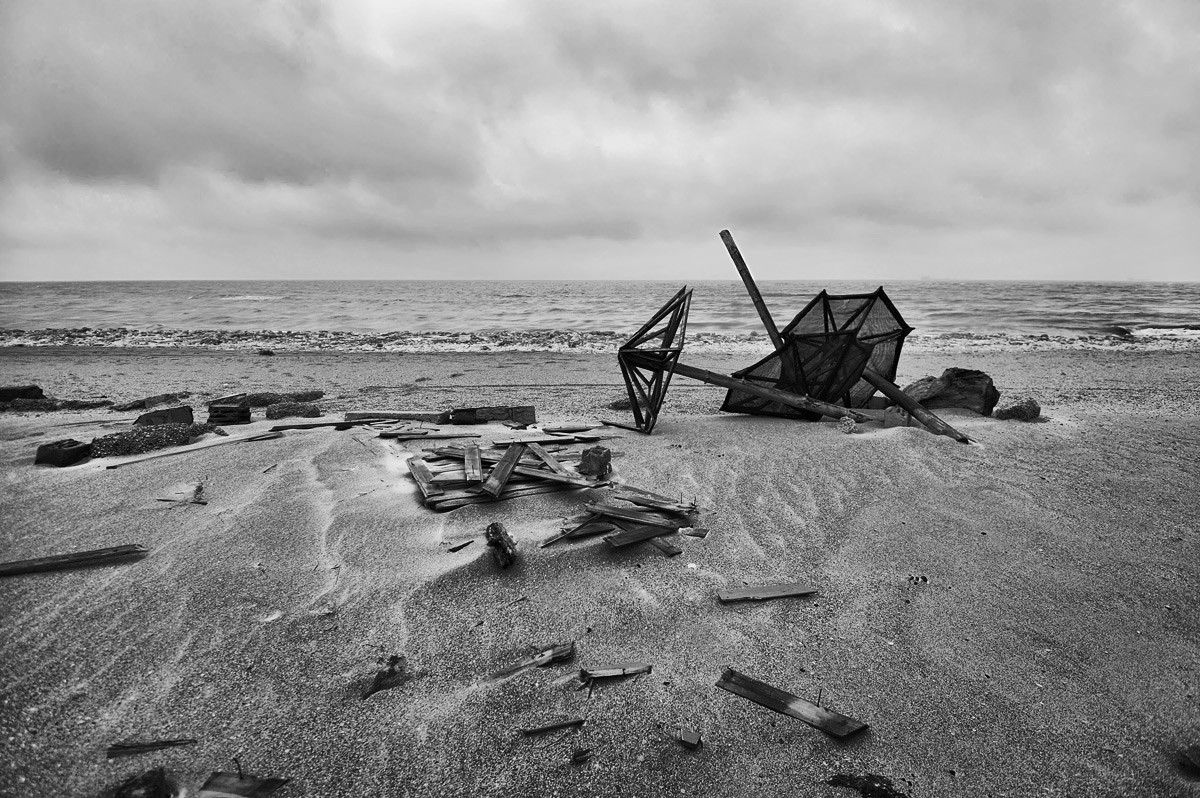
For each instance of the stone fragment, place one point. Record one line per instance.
(19, 404)
(595, 462)
(10, 392)
(170, 415)
(1024, 408)
(293, 410)
(62, 453)
(965, 388)
(896, 416)
(268, 398)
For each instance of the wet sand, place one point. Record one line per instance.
(1014, 617)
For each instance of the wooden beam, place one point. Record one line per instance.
(79, 559)
(892, 391)
(635, 516)
(637, 534)
(548, 459)
(783, 702)
(763, 592)
(797, 401)
(752, 289)
(503, 470)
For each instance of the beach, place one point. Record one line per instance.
(1012, 617)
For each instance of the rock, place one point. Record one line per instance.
(30, 405)
(1024, 408)
(8, 393)
(171, 415)
(62, 453)
(965, 388)
(266, 399)
(293, 410)
(266, 352)
(141, 439)
(83, 404)
(896, 416)
(595, 462)
(150, 401)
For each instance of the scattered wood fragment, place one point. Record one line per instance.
(636, 534)
(578, 437)
(132, 749)
(764, 592)
(238, 785)
(581, 756)
(81, 559)
(472, 463)
(783, 702)
(420, 472)
(691, 532)
(667, 548)
(615, 671)
(504, 550)
(560, 652)
(548, 459)
(429, 416)
(460, 546)
(394, 674)
(262, 436)
(583, 530)
(690, 739)
(574, 723)
(151, 784)
(653, 500)
(868, 785)
(635, 516)
(425, 435)
(450, 501)
(503, 470)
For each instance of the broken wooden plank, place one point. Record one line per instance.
(667, 548)
(560, 652)
(636, 516)
(340, 425)
(446, 503)
(574, 437)
(239, 785)
(647, 499)
(134, 748)
(764, 592)
(460, 546)
(573, 723)
(586, 529)
(79, 559)
(783, 702)
(504, 549)
(472, 463)
(262, 436)
(698, 532)
(549, 460)
(425, 435)
(503, 470)
(636, 534)
(394, 674)
(420, 472)
(614, 671)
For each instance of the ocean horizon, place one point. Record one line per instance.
(595, 315)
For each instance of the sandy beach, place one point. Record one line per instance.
(1015, 617)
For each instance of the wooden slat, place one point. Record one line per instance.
(783, 702)
(636, 516)
(79, 559)
(472, 464)
(132, 749)
(553, 727)
(636, 535)
(548, 459)
(503, 470)
(763, 592)
(667, 548)
(420, 472)
(613, 671)
(647, 499)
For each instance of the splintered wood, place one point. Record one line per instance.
(456, 476)
(783, 702)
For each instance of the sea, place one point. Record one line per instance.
(585, 315)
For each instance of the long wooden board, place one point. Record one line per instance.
(500, 473)
(783, 702)
(763, 592)
(420, 472)
(636, 516)
(79, 559)
(636, 535)
(549, 459)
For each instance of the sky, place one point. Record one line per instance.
(543, 139)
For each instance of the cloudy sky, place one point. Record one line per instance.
(1014, 139)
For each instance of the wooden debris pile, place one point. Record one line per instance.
(644, 518)
(459, 474)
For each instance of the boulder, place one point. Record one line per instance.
(293, 410)
(170, 415)
(1024, 408)
(10, 392)
(965, 388)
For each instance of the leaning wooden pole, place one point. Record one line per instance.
(772, 394)
(892, 391)
(752, 289)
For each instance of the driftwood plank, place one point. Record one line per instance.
(586, 529)
(613, 671)
(419, 435)
(420, 472)
(548, 459)
(763, 592)
(574, 723)
(503, 470)
(647, 499)
(472, 463)
(443, 504)
(636, 516)
(636, 534)
(667, 548)
(80, 559)
(133, 749)
(783, 702)
(560, 652)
